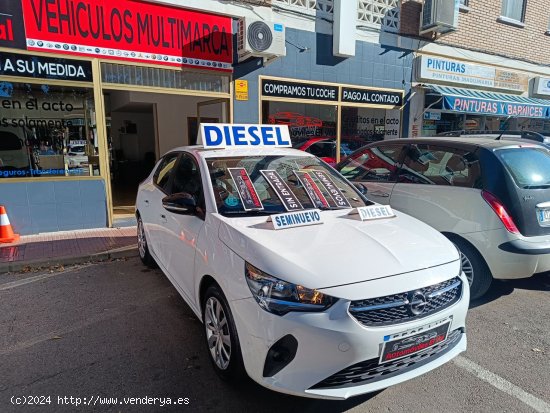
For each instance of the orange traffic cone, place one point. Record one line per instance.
(6, 233)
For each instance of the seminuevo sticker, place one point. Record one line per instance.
(296, 219)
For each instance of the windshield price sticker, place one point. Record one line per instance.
(219, 135)
(285, 194)
(335, 193)
(245, 188)
(370, 212)
(312, 189)
(296, 219)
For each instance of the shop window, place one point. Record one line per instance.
(312, 127)
(376, 163)
(513, 10)
(433, 165)
(47, 131)
(364, 125)
(164, 78)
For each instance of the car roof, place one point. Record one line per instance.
(202, 152)
(490, 143)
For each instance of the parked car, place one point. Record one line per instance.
(293, 287)
(541, 138)
(491, 198)
(76, 156)
(325, 148)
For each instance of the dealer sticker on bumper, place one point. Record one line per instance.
(404, 347)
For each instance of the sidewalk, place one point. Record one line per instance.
(67, 247)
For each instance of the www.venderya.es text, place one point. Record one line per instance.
(96, 400)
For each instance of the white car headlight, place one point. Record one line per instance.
(280, 297)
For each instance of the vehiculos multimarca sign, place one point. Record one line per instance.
(131, 30)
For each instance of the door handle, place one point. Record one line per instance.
(163, 218)
(380, 194)
(146, 202)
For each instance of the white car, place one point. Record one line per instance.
(300, 281)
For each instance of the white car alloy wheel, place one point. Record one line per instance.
(467, 268)
(143, 248)
(141, 240)
(217, 333)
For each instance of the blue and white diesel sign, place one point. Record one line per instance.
(222, 135)
(296, 219)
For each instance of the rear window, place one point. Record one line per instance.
(529, 167)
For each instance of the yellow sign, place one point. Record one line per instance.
(241, 89)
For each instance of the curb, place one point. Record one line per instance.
(124, 252)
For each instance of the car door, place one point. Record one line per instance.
(439, 185)
(179, 232)
(374, 166)
(150, 203)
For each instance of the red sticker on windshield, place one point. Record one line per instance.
(312, 190)
(245, 188)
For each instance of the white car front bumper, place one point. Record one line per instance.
(334, 345)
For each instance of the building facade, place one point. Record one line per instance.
(491, 73)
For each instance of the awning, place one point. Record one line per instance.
(490, 103)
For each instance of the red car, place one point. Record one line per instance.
(325, 148)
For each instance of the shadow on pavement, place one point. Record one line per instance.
(500, 288)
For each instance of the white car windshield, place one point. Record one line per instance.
(277, 184)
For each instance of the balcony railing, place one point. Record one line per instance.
(378, 14)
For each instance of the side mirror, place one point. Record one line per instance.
(361, 188)
(180, 203)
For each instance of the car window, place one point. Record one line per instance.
(529, 167)
(187, 178)
(162, 175)
(323, 149)
(375, 163)
(435, 165)
(228, 196)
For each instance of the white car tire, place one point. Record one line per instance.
(222, 340)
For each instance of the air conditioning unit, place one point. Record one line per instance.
(260, 38)
(440, 16)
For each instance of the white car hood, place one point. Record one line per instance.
(342, 250)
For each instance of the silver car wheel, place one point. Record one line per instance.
(142, 242)
(467, 268)
(217, 333)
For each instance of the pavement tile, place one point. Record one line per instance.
(79, 243)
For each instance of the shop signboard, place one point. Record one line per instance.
(372, 96)
(541, 87)
(129, 30)
(12, 29)
(23, 65)
(442, 70)
(294, 90)
(495, 108)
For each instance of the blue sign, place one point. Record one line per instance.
(492, 107)
(219, 135)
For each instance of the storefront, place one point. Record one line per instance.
(455, 95)
(330, 120)
(92, 95)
